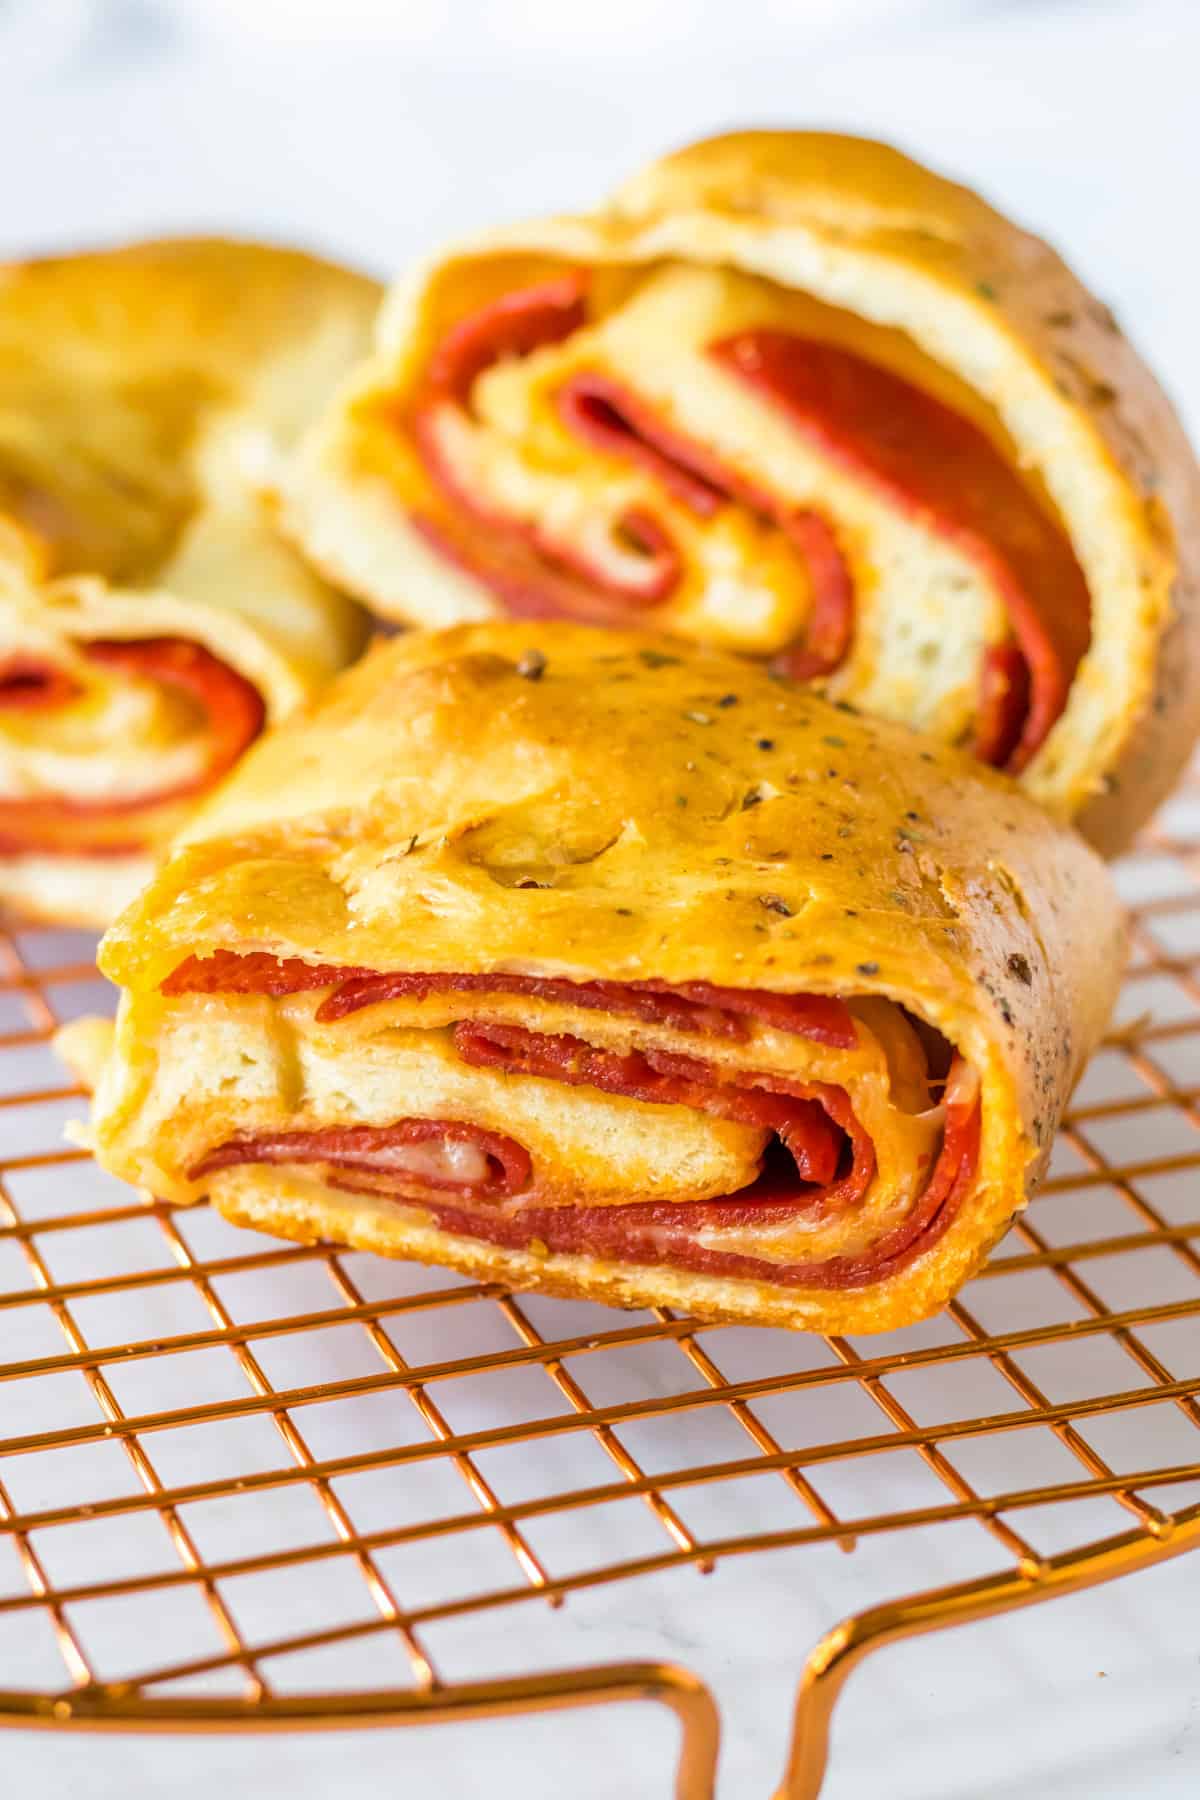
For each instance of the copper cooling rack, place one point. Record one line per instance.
(443, 1452)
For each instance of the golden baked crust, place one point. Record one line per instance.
(146, 394)
(289, 1206)
(591, 805)
(861, 228)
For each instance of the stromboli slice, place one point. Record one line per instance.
(795, 395)
(151, 617)
(594, 962)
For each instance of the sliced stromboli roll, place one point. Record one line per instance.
(152, 620)
(611, 966)
(798, 396)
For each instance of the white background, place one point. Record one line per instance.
(371, 130)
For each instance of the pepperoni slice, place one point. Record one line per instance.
(666, 1233)
(697, 1006)
(536, 578)
(934, 465)
(611, 416)
(254, 972)
(812, 1120)
(1003, 705)
(514, 325)
(29, 684)
(233, 705)
(608, 414)
(502, 557)
(379, 1152)
(233, 709)
(826, 642)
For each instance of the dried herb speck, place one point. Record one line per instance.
(656, 659)
(775, 903)
(868, 968)
(532, 665)
(727, 700)
(765, 743)
(1018, 967)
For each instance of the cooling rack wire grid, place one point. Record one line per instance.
(247, 1485)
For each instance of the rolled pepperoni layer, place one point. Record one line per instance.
(597, 964)
(117, 792)
(806, 1168)
(794, 395)
(767, 462)
(152, 618)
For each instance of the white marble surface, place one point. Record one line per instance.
(373, 129)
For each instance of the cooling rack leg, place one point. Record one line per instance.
(700, 1728)
(841, 1650)
(102, 1708)
(824, 1676)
